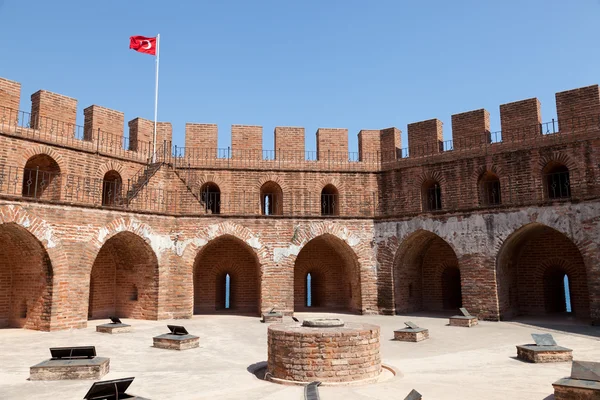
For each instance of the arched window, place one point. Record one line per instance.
(41, 178)
(330, 200)
(111, 188)
(489, 189)
(308, 290)
(557, 291)
(567, 293)
(271, 199)
(431, 194)
(557, 184)
(210, 198)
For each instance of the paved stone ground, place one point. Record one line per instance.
(455, 363)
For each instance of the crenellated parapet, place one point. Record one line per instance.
(53, 119)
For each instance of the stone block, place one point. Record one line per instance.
(411, 335)
(53, 370)
(113, 328)
(176, 342)
(544, 354)
(272, 317)
(576, 389)
(463, 320)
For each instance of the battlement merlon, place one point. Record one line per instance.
(578, 108)
(102, 122)
(520, 120)
(53, 111)
(289, 143)
(425, 137)
(141, 131)
(471, 129)
(376, 145)
(332, 144)
(10, 94)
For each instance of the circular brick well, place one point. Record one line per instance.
(326, 350)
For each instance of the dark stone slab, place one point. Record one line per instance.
(311, 391)
(411, 325)
(465, 312)
(543, 339)
(579, 384)
(415, 330)
(542, 349)
(170, 336)
(111, 390)
(413, 395)
(586, 370)
(113, 328)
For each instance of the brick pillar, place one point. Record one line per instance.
(201, 141)
(479, 294)
(332, 144)
(578, 109)
(521, 120)
(591, 259)
(471, 129)
(10, 94)
(104, 123)
(141, 133)
(369, 145)
(425, 138)
(246, 142)
(277, 286)
(391, 143)
(53, 113)
(289, 144)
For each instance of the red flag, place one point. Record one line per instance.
(143, 44)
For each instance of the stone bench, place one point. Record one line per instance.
(465, 320)
(53, 370)
(176, 342)
(412, 333)
(113, 328)
(583, 384)
(545, 350)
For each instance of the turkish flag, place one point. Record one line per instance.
(143, 44)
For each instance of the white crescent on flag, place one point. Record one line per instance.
(149, 44)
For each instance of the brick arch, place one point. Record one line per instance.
(338, 274)
(478, 172)
(110, 166)
(202, 178)
(226, 254)
(272, 178)
(42, 236)
(45, 150)
(122, 224)
(318, 186)
(521, 261)
(437, 176)
(418, 265)
(558, 157)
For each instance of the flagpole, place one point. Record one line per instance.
(156, 98)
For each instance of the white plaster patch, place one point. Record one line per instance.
(353, 241)
(26, 223)
(181, 246)
(102, 233)
(279, 253)
(212, 231)
(254, 242)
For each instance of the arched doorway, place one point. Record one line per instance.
(327, 271)
(124, 279)
(426, 274)
(41, 178)
(210, 198)
(25, 280)
(226, 278)
(330, 200)
(112, 185)
(531, 268)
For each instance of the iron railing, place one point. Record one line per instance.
(509, 191)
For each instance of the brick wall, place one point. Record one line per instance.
(55, 112)
(332, 144)
(246, 142)
(201, 140)
(578, 109)
(425, 138)
(10, 94)
(520, 120)
(289, 143)
(101, 122)
(470, 129)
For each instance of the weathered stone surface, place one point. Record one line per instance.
(461, 320)
(52, 370)
(176, 342)
(543, 339)
(113, 328)
(323, 322)
(544, 354)
(576, 389)
(411, 335)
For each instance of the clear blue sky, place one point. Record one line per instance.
(356, 64)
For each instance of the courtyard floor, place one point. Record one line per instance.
(455, 363)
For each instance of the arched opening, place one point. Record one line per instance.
(334, 276)
(112, 185)
(226, 278)
(531, 268)
(124, 279)
(25, 280)
(426, 274)
(489, 189)
(330, 204)
(556, 181)
(210, 198)
(271, 199)
(41, 178)
(431, 195)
